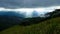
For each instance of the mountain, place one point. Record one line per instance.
(11, 13)
(50, 26)
(9, 19)
(55, 13)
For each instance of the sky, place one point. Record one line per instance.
(28, 6)
(28, 3)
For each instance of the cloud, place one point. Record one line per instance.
(28, 11)
(28, 3)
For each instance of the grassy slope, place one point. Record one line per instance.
(51, 26)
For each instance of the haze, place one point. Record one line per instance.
(28, 11)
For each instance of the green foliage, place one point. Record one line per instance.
(55, 13)
(51, 26)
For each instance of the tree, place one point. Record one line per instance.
(55, 13)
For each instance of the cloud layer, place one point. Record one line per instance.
(28, 3)
(28, 11)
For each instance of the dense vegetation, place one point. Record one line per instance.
(51, 26)
(26, 24)
(55, 13)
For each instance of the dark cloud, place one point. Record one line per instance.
(28, 3)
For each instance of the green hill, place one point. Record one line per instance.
(51, 26)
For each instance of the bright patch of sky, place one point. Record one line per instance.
(28, 11)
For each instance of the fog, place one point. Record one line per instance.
(28, 11)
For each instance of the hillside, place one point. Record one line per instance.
(51, 26)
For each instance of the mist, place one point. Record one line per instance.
(28, 11)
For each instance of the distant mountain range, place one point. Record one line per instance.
(11, 13)
(22, 15)
(8, 19)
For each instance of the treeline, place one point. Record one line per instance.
(55, 13)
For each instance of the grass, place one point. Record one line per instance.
(51, 26)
